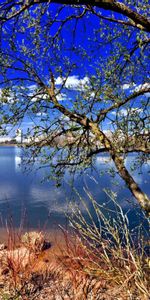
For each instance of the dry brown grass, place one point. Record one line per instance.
(18, 263)
(105, 248)
(98, 259)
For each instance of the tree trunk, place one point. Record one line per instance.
(141, 197)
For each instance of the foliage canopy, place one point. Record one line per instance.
(82, 69)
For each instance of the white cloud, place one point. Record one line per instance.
(39, 97)
(92, 95)
(61, 97)
(142, 86)
(105, 161)
(41, 114)
(124, 111)
(65, 118)
(134, 86)
(33, 87)
(127, 86)
(73, 82)
(59, 80)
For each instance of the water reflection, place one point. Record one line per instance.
(17, 163)
(7, 191)
(19, 190)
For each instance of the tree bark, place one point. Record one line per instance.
(136, 19)
(141, 197)
(112, 5)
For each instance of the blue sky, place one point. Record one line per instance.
(82, 40)
(74, 85)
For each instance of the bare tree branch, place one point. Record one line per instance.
(137, 19)
(118, 104)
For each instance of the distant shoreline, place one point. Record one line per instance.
(8, 145)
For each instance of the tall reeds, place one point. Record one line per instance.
(104, 246)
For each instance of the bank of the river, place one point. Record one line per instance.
(69, 269)
(40, 269)
(8, 145)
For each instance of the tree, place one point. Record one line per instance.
(44, 45)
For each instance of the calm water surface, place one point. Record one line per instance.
(43, 203)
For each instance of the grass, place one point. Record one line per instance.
(101, 256)
(104, 247)
(19, 261)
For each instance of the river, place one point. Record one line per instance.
(23, 196)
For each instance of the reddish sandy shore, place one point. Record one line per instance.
(55, 236)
